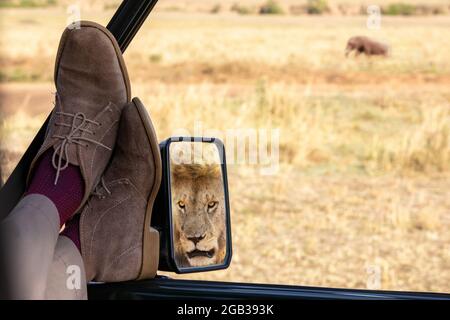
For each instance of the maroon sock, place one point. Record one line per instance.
(68, 192)
(72, 231)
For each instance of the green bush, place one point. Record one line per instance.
(155, 58)
(27, 3)
(317, 6)
(31, 4)
(397, 9)
(271, 7)
(240, 9)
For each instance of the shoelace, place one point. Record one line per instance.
(70, 138)
(97, 192)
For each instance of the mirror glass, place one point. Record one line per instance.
(198, 204)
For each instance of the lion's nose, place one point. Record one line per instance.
(196, 239)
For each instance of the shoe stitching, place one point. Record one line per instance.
(125, 252)
(95, 150)
(101, 139)
(100, 218)
(97, 189)
(118, 181)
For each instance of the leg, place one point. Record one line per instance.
(66, 279)
(31, 231)
(94, 88)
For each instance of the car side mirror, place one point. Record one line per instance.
(192, 211)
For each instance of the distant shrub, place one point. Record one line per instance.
(27, 3)
(317, 7)
(431, 9)
(172, 9)
(399, 9)
(441, 10)
(156, 58)
(20, 75)
(271, 7)
(240, 9)
(216, 9)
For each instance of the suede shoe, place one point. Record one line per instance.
(92, 88)
(117, 242)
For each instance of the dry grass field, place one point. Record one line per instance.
(364, 178)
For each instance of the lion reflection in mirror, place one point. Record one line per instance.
(198, 210)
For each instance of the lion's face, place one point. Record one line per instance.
(198, 210)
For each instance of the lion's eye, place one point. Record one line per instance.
(212, 204)
(181, 204)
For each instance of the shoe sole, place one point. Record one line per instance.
(150, 246)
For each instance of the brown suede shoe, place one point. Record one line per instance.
(117, 242)
(92, 88)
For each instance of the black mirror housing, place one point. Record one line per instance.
(167, 212)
